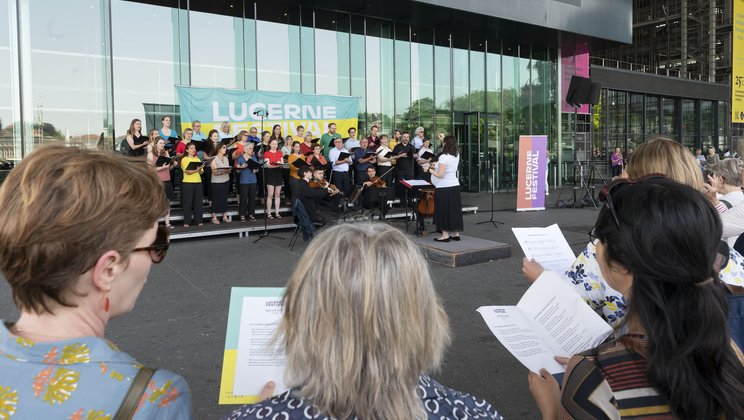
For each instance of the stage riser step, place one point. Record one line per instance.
(243, 229)
(467, 251)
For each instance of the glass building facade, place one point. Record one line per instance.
(79, 71)
(627, 119)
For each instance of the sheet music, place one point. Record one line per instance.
(550, 320)
(547, 246)
(416, 182)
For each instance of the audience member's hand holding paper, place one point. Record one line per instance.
(550, 320)
(252, 358)
(547, 246)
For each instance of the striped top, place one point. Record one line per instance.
(613, 384)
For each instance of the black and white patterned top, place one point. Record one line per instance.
(439, 402)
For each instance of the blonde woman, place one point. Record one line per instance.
(360, 336)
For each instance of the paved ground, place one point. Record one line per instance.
(179, 321)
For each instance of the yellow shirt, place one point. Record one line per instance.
(190, 178)
(293, 169)
(391, 144)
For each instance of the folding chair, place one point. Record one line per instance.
(303, 223)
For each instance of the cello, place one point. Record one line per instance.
(426, 203)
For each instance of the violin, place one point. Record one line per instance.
(375, 182)
(314, 183)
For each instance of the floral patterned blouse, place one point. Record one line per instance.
(85, 378)
(438, 401)
(587, 280)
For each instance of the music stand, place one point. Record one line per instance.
(413, 185)
(495, 223)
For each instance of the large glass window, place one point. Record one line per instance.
(358, 69)
(403, 78)
(331, 53)
(669, 117)
(422, 79)
(380, 77)
(307, 51)
(688, 137)
(147, 64)
(707, 122)
(652, 116)
(442, 80)
(540, 82)
(460, 73)
(216, 42)
(278, 43)
(477, 85)
(493, 76)
(10, 147)
(67, 71)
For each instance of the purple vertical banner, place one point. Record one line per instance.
(574, 62)
(533, 167)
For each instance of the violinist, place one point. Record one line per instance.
(311, 197)
(332, 202)
(370, 198)
(373, 180)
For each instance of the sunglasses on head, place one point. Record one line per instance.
(605, 195)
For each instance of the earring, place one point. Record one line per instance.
(106, 302)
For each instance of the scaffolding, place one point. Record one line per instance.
(686, 38)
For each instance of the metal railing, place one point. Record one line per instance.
(623, 65)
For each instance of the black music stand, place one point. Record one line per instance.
(495, 223)
(413, 185)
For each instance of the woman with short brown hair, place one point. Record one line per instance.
(76, 246)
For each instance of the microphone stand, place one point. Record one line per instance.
(493, 192)
(263, 174)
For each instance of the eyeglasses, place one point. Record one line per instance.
(605, 195)
(159, 247)
(593, 238)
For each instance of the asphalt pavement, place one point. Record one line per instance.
(180, 318)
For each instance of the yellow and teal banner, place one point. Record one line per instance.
(737, 77)
(214, 106)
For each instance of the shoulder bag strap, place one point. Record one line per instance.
(136, 390)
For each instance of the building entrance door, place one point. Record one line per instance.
(479, 151)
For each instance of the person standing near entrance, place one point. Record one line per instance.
(447, 200)
(327, 139)
(617, 162)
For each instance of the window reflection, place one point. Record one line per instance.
(10, 148)
(358, 69)
(216, 41)
(67, 72)
(422, 79)
(146, 64)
